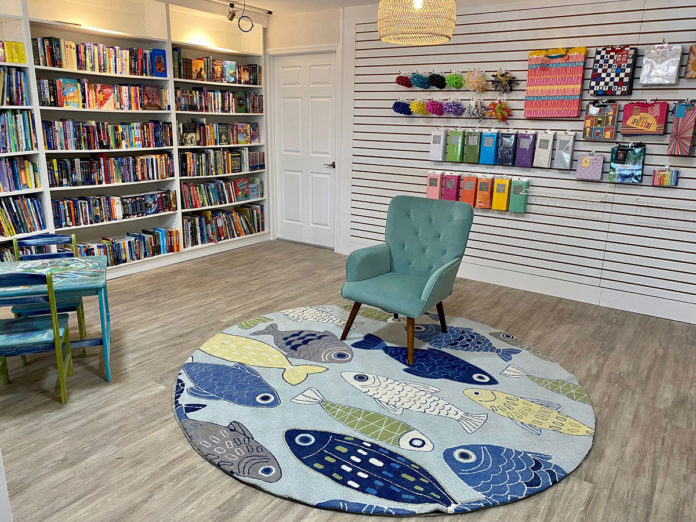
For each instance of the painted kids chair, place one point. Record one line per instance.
(415, 268)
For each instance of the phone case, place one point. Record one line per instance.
(627, 163)
(489, 148)
(501, 194)
(518, 195)
(484, 192)
(600, 121)
(524, 155)
(507, 143)
(563, 158)
(455, 145)
(469, 186)
(434, 185)
(590, 167)
(544, 150)
(472, 146)
(450, 187)
(438, 145)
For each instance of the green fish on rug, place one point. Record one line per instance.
(247, 325)
(370, 423)
(565, 388)
(369, 312)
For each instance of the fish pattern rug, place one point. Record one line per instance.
(480, 419)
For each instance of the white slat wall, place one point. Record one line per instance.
(628, 247)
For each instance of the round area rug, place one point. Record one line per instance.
(480, 419)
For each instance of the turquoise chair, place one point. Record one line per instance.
(415, 268)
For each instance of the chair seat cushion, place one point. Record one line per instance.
(64, 304)
(398, 293)
(26, 333)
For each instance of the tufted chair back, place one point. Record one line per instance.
(424, 234)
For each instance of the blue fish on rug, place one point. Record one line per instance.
(233, 449)
(309, 345)
(501, 474)
(458, 338)
(366, 467)
(366, 509)
(431, 364)
(236, 383)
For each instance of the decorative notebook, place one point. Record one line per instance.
(682, 136)
(590, 167)
(665, 177)
(507, 143)
(600, 121)
(489, 148)
(544, 149)
(644, 118)
(661, 64)
(524, 155)
(554, 83)
(472, 146)
(563, 158)
(627, 163)
(612, 71)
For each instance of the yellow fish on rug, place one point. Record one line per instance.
(235, 348)
(532, 415)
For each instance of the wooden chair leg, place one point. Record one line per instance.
(441, 314)
(24, 360)
(82, 326)
(4, 370)
(396, 317)
(410, 323)
(351, 318)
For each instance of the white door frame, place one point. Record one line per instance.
(272, 135)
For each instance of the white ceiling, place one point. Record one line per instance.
(286, 6)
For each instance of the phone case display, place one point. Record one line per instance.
(661, 64)
(612, 71)
(507, 143)
(455, 145)
(644, 118)
(590, 167)
(489, 148)
(563, 158)
(472, 146)
(484, 192)
(544, 150)
(450, 187)
(438, 145)
(691, 64)
(524, 155)
(627, 163)
(434, 185)
(682, 136)
(600, 121)
(554, 83)
(469, 186)
(501, 194)
(519, 189)
(665, 177)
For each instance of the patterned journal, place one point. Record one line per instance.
(600, 121)
(612, 71)
(644, 118)
(627, 163)
(554, 83)
(682, 136)
(590, 167)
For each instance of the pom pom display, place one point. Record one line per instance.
(437, 80)
(402, 108)
(454, 108)
(404, 81)
(455, 80)
(418, 107)
(503, 81)
(435, 108)
(476, 81)
(500, 110)
(420, 81)
(476, 110)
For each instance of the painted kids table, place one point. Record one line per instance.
(72, 276)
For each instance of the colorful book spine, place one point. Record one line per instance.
(18, 174)
(220, 225)
(90, 135)
(17, 131)
(13, 86)
(108, 170)
(20, 215)
(134, 246)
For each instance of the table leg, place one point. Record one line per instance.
(105, 330)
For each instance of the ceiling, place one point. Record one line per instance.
(287, 6)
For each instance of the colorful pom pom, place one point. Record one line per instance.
(455, 80)
(500, 110)
(475, 110)
(418, 107)
(503, 81)
(404, 81)
(454, 108)
(476, 81)
(402, 108)
(435, 108)
(437, 80)
(420, 81)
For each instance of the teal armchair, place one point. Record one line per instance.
(415, 268)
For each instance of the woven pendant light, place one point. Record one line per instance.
(416, 22)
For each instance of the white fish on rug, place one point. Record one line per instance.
(319, 314)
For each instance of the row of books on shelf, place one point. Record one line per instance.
(83, 94)
(134, 246)
(18, 174)
(208, 69)
(107, 170)
(90, 135)
(51, 51)
(12, 52)
(88, 210)
(13, 86)
(201, 133)
(216, 162)
(219, 225)
(20, 215)
(17, 131)
(207, 100)
(219, 192)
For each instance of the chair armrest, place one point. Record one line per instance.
(440, 284)
(368, 262)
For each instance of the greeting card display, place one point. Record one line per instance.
(682, 136)
(627, 163)
(590, 167)
(600, 121)
(644, 118)
(612, 71)
(661, 64)
(554, 83)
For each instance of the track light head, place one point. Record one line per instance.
(231, 13)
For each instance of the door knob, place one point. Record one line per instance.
(332, 164)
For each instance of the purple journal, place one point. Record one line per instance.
(526, 142)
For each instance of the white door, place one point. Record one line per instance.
(305, 129)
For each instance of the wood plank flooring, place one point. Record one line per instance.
(115, 451)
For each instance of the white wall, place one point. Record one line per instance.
(5, 513)
(287, 30)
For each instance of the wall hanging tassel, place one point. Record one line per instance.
(418, 107)
(435, 107)
(401, 107)
(476, 81)
(437, 80)
(404, 81)
(454, 80)
(455, 108)
(503, 81)
(420, 81)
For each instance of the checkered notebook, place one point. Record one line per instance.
(612, 71)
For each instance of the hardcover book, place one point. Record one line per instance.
(198, 70)
(188, 133)
(70, 92)
(224, 134)
(241, 188)
(105, 96)
(158, 59)
(230, 71)
(254, 136)
(242, 132)
(218, 72)
(240, 102)
(152, 97)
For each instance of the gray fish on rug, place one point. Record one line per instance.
(309, 345)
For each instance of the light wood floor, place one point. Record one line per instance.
(115, 451)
